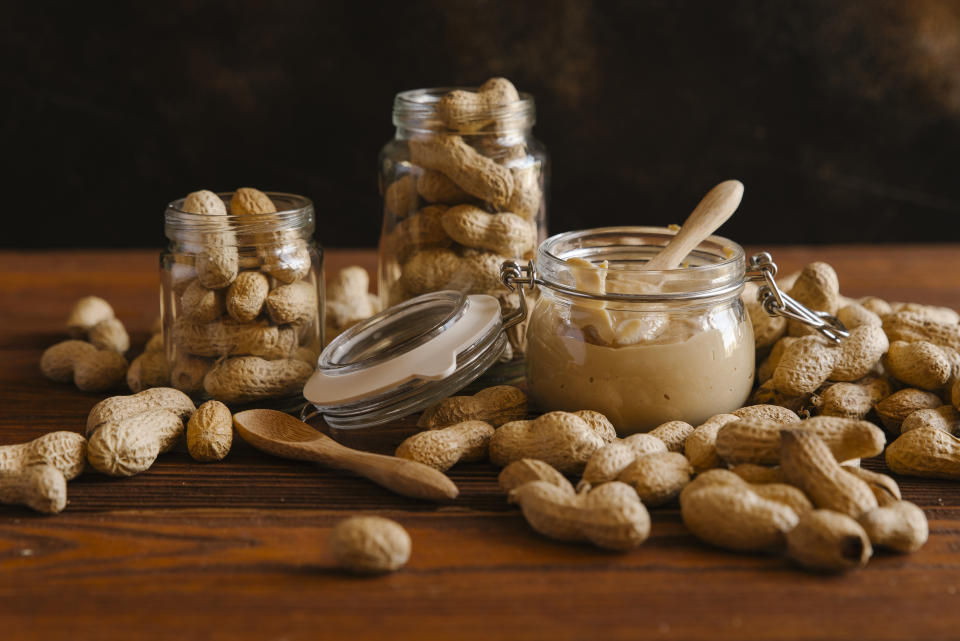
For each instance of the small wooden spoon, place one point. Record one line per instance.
(714, 210)
(283, 435)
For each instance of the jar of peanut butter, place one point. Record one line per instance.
(641, 347)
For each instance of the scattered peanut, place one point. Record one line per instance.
(109, 334)
(852, 400)
(66, 451)
(86, 313)
(700, 447)
(91, 369)
(370, 545)
(759, 441)
(894, 409)
(884, 488)
(914, 326)
(919, 364)
(118, 408)
(945, 418)
(828, 541)
(610, 516)
(926, 452)
(526, 470)
(673, 434)
(899, 526)
(443, 448)
(658, 478)
(131, 445)
(40, 487)
(565, 440)
(722, 509)
(807, 463)
(495, 405)
(210, 432)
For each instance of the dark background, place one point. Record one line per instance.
(841, 118)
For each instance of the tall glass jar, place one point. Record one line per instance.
(464, 188)
(641, 347)
(241, 298)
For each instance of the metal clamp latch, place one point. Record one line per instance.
(776, 302)
(515, 277)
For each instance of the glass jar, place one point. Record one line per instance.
(241, 301)
(641, 347)
(461, 193)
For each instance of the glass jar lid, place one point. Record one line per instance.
(406, 358)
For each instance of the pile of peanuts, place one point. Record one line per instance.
(470, 197)
(246, 306)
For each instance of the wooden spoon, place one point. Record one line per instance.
(714, 210)
(283, 435)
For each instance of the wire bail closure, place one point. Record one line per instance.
(515, 276)
(776, 302)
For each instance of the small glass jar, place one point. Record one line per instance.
(641, 347)
(241, 301)
(461, 194)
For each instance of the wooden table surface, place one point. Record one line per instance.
(236, 550)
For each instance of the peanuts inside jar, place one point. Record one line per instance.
(463, 185)
(641, 347)
(241, 292)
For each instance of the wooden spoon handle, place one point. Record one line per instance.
(402, 476)
(714, 210)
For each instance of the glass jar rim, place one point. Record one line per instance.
(294, 213)
(722, 274)
(416, 110)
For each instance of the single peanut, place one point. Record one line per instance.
(527, 470)
(201, 305)
(148, 370)
(759, 441)
(229, 338)
(700, 447)
(474, 173)
(293, 303)
(914, 326)
(131, 445)
(435, 269)
(400, 197)
(804, 366)
(468, 111)
(210, 432)
(894, 409)
(610, 516)
(828, 541)
(246, 296)
(505, 233)
(854, 315)
(87, 312)
(926, 452)
(109, 334)
(437, 188)
(673, 434)
(66, 451)
(118, 408)
(369, 545)
(721, 509)
(658, 478)
(852, 400)
(187, 373)
(91, 369)
(807, 463)
(899, 526)
(249, 378)
(565, 440)
(945, 417)
(495, 405)
(443, 448)
(218, 263)
(40, 487)
(919, 364)
(609, 461)
(767, 413)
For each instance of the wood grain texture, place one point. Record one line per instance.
(236, 550)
